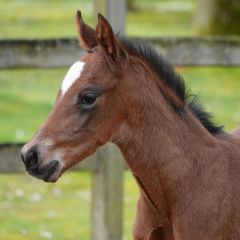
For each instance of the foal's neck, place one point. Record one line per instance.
(164, 142)
(161, 147)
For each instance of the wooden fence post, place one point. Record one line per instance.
(107, 210)
(107, 195)
(114, 11)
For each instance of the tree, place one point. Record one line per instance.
(217, 17)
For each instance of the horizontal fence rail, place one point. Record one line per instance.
(10, 161)
(188, 51)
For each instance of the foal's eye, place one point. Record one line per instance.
(87, 99)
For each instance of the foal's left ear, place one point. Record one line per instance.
(107, 39)
(86, 34)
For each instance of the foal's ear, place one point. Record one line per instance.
(107, 39)
(86, 34)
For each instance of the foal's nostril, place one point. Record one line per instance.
(31, 160)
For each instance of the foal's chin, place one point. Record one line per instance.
(49, 172)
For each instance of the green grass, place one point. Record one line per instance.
(47, 19)
(26, 98)
(41, 19)
(218, 90)
(152, 23)
(30, 209)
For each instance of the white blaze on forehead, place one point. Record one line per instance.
(72, 75)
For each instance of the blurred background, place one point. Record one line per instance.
(30, 209)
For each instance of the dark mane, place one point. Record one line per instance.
(174, 81)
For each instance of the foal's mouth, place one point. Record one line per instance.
(48, 173)
(38, 168)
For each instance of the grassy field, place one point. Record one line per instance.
(46, 19)
(30, 209)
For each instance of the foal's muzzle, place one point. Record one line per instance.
(48, 172)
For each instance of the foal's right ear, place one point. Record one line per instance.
(86, 34)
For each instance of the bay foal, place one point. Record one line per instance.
(122, 91)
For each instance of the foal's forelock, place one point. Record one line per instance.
(72, 75)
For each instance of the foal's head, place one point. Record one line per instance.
(106, 95)
(89, 109)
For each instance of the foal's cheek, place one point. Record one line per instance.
(78, 153)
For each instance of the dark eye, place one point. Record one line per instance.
(87, 99)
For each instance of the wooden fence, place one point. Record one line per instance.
(62, 52)
(106, 165)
